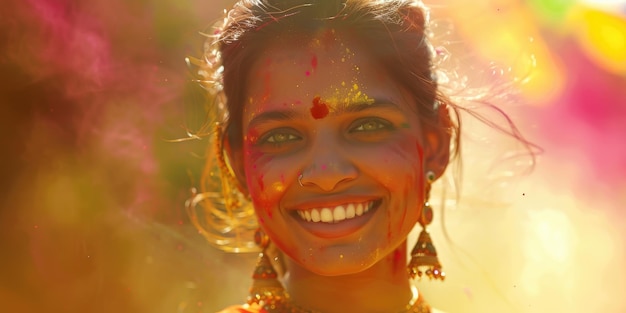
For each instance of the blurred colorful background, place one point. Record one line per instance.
(93, 192)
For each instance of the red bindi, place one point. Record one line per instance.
(319, 109)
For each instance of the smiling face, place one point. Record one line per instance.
(324, 109)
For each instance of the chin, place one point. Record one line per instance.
(341, 259)
(338, 269)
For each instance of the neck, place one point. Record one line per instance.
(384, 287)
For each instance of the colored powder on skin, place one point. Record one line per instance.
(348, 95)
(278, 187)
(260, 182)
(252, 136)
(262, 203)
(406, 195)
(389, 232)
(398, 259)
(314, 62)
(319, 109)
(267, 89)
(328, 38)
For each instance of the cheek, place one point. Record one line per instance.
(396, 164)
(265, 179)
(401, 174)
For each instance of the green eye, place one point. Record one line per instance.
(371, 125)
(281, 138)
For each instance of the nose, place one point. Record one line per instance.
(329, 167)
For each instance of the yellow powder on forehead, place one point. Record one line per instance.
(345, 96)
(324, 38)
(329, 38)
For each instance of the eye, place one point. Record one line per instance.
(280, 136)
(370, 125)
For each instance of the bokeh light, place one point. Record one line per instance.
(603, 36)
(93, 192)
(554, 11)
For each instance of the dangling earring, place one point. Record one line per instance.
(424, 254)
(266, 290)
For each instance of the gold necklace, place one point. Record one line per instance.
(272, 303)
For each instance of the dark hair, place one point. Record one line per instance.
(393, 31)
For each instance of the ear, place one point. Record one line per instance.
(437, 144)
(233, 156)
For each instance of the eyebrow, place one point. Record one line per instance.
(350, 107)
(355, 107)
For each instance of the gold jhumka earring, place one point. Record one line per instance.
(266, 290)
(424, 254)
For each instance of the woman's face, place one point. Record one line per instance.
(326, 110)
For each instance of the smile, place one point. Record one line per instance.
(335, 214)
(336, 221)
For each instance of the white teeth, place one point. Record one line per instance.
(350, 211)
(336, 214)
(327, 215)
(315, 215)
(339, 214)
(359, 209)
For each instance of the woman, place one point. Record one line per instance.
(334, 128)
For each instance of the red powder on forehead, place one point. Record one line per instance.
(314, 62)
(319, 109)
(267, 88)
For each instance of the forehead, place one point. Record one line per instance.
(290, 54)
(323, 65)
(298, 47)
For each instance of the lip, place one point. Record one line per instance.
(337, 229)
